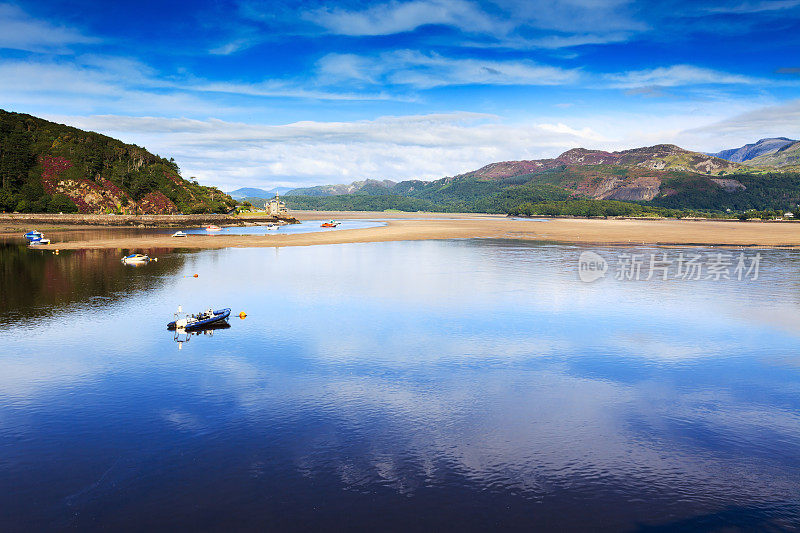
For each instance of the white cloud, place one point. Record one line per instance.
(18, 31)
(567, 22)
(425, 71)
(283, 89)
(781, 120)
(678, 75)
(398, 17)
(425, 147)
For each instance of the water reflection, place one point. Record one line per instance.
(460, 385)
(181, 335)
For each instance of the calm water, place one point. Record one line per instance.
(456, 385)
(306, 226)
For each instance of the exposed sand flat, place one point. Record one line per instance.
(665, 232)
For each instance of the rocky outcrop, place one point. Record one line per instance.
(101, 195)
(730, 185)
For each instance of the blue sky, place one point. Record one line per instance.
(254, 93)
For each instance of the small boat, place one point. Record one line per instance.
(272, 226)
(179, 234)
(34, 235)
(137, 259)
(39, 242)
(330, 224)
(202, 320)
(212, 227)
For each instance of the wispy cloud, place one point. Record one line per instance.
(770, 121)
(425, 71)
(18, 31)
(398, 17)
(676, 76)
(753, 7)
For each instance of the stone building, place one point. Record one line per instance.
(276, 208)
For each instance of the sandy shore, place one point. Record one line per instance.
(402, 227)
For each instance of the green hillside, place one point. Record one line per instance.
(49, 167)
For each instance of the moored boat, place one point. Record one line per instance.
(272, 226)
(212, 227)
(204, 319)
(136, 259)
(34, 235)
(39, 242)
(179, 234)
(330, 224)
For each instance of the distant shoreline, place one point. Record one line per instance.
(436, 226)
(156, 221)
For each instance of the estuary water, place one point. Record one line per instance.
(431, 385)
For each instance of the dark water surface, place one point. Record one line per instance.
(451, 385)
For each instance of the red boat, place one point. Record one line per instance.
(331, 224)
(212, 227)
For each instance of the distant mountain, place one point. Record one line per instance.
(787, 156)
(252, 192)
(369, 187)
(757, 149)
(49, 167)
(659, 157)
(663, 175)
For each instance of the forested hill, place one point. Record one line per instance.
(50, 167)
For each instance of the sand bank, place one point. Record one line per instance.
(402, 228)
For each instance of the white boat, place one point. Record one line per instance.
(272, 226)
(39, 241)
(213, 227)
(179, 234)
(137, 259)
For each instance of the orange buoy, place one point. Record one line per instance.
(195, 275)
(242, 315)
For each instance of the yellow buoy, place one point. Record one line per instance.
(242, 315)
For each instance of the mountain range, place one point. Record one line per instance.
(254, 192)
(50, 167)
(757, 151)
(663, 175)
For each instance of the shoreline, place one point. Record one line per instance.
(421, 226)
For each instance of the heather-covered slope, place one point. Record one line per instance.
(659, 157)
(49, 167)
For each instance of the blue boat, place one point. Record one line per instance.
(202, 320)
(34, 235)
